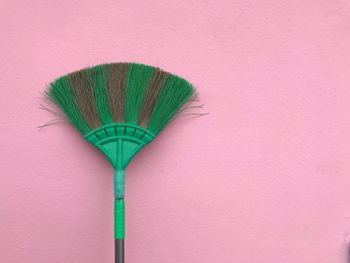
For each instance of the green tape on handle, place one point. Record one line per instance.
(119, 218)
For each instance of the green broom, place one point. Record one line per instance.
(119, 108)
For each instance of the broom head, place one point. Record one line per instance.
(120, 107)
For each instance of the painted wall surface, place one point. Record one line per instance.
(265, 177)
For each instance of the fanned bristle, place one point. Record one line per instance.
(154, 87)
(60, 92)
(117, 73)
(137, 82)
(173, 95)
(120, 92)
(101, 100)
(84, 96)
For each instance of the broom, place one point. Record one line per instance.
(119, 108)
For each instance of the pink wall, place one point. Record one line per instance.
(264, 178)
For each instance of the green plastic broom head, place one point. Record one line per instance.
(120, 107)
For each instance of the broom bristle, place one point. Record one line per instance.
(120, 93)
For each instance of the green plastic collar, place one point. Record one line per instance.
(119, 142)
(119, 183)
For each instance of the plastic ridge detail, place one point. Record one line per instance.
(119, 142)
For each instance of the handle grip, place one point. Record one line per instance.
(119, 218)
(119, 229)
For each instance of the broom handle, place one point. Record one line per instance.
(119, 229)
(119, 250)
(119, 215)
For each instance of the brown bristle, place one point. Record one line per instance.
(117, 74)
(154, 86)
(82, 86)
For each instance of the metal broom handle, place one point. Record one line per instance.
(119, 215)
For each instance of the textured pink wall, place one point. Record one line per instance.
(264, 178)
